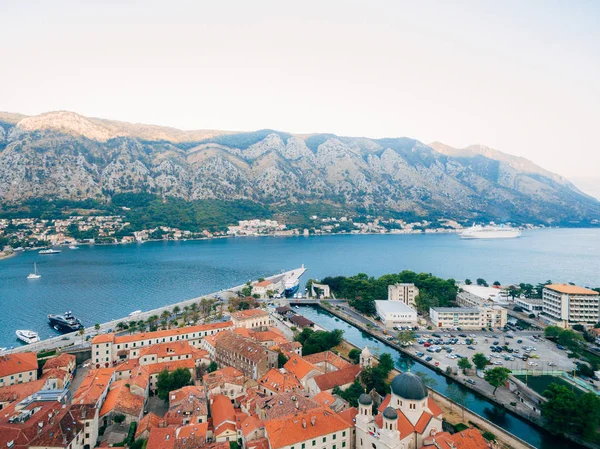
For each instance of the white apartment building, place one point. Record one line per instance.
(405, 293)
(478, 296)
(396, 313)
(468, 317)
(532, 305)
(565, 305)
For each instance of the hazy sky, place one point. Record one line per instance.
(522, 77)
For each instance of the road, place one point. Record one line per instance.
(74, 338)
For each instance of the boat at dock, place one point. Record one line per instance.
(490, 232)
(49, 251)
(27, 336)
(291, 287)
(35, 274)
(65, 323)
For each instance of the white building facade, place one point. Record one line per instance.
(566, 305)
(395, 314)
(405, 293)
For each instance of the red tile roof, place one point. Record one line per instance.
(221, 410)
(278, 382)
(337, 378)
(17, 392)
(299, 367)
(467, 439)
(161, 438)
(120, 399)
(348, 415)
(18, 362)
(251, 313)
(571, 289)
(324, 398)
(327, 357)
(433, 407)
(61, 361)
(250, 424)
(294, 429)
(93, 385)
(148, 422)
(422, 422)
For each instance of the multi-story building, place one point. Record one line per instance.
(41, 423)
(403, 292)
(479, 296)
(109, 349)
(18, 368)
(244, 354)
(89, 399)
(319, 428)
(532, 305)
(396, 313)
(468, 317)
(565, 305)
(408, 416)
(251, 318)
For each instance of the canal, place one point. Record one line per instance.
(512, 423)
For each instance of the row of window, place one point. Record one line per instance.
(314, 442)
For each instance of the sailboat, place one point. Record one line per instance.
(35, 274)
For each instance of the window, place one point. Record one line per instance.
(314, 442)
(343, 444)
(334, 437)
(324, 440)
(344, 433)
(334, 446)
(303, 445)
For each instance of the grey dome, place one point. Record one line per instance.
(390, 413)
(365, 399)
(409, 386)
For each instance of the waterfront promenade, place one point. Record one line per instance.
(75, 340)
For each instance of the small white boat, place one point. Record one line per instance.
(49, 251)
(73, 247)
(27, 336)
(35, 274)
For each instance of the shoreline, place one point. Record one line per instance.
(443, 232)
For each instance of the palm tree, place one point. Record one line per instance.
(194, 307)
(176, 310)
(97, 327)
(81, 332)
(120, 326)
(165, 314)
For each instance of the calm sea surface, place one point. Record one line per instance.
(99, 283)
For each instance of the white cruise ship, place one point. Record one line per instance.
(27, 336)
(490, 232)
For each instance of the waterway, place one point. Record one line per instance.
(101, 283)
(513, 424)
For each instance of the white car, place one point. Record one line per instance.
(498, 362)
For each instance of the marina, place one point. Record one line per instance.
(101, 283)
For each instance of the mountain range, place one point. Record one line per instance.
(68, 156)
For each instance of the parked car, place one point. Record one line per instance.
(428, 358)
(470, 381)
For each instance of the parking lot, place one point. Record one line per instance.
(445, 349)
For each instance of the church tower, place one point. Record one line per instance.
(366, 358)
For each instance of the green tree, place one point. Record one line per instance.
(468, 281)
(558, 409)
(482, 282)
(464, 364)
(497, 377)
(552, 331)
(118, 419)
(354, 355)
(480, 360)
(350, 394)
(97, 327)
(169, 381)
(281, 359)
(212, 367)
(406, 337)
(587, 415)
(386, 364)
(497, 284)
(176, 310)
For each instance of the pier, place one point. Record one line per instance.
(73, 339)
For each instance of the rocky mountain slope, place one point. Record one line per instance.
(66, 155)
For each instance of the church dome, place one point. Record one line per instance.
(409, 386)
(390, 413)
(365, 399)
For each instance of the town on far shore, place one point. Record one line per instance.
(18, 234)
